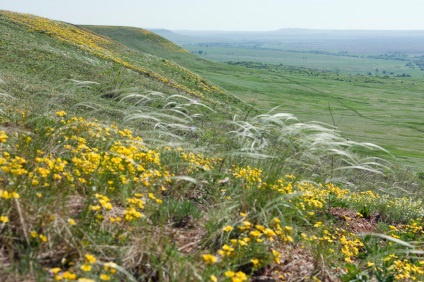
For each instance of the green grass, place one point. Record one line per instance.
(363, 107)
(113, 166)
(323, 62)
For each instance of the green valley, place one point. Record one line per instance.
(362, 107)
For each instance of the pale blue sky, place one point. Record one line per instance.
(231, 14)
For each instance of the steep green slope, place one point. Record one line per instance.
(145, 41)
(141, 40)
(162, 71)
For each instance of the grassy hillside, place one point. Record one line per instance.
(362, 107)
(119, 165)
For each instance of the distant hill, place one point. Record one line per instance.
(171, 35)
(356, 41)
(146, 40)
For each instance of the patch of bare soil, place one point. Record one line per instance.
(353, 222)
(296, 264)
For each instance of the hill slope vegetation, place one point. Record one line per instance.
(363, 107)
(120, 165)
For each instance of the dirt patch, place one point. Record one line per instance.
(353, 222)
(297, 265)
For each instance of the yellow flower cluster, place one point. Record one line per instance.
(89, 159)
(4, 219)
(125, 161)
(38, 237)
(251, 176)
(209, 259)
(197, 162)
(8, 195)
(3, 136)
(350, 247)
(335, 238)
(403, 269)
(282, 187)
(103, 205)
(88, 265)
(13, 165)
(251, 236)
(238, 276)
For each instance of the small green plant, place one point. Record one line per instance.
(365, 212)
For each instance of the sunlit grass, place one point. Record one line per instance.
(110, 186)
(130, 185)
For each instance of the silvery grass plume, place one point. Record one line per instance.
(5, 96)
(80, 83)
(69, 98)
(311, 145)
(168, 117)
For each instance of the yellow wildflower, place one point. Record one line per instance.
(209, 259)
(43, 238)
(55, 270)
(277, 256)
(90, 258)
(95, 208)
(61, 113)
(228, 228)
(254, 261)
(86, 267)
(393, 228)
(229, 273)
(85, 280)
(4, 219)
(255, 233)
(3, 137)
(104, 277)
(69, 276)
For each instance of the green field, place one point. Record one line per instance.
(393, 53)
(363, 109)
(334, 63)
(382, 109)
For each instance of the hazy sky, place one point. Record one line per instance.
(231, 14)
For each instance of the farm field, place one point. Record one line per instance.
(347, 51)
(362, 108)
(334, 63)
